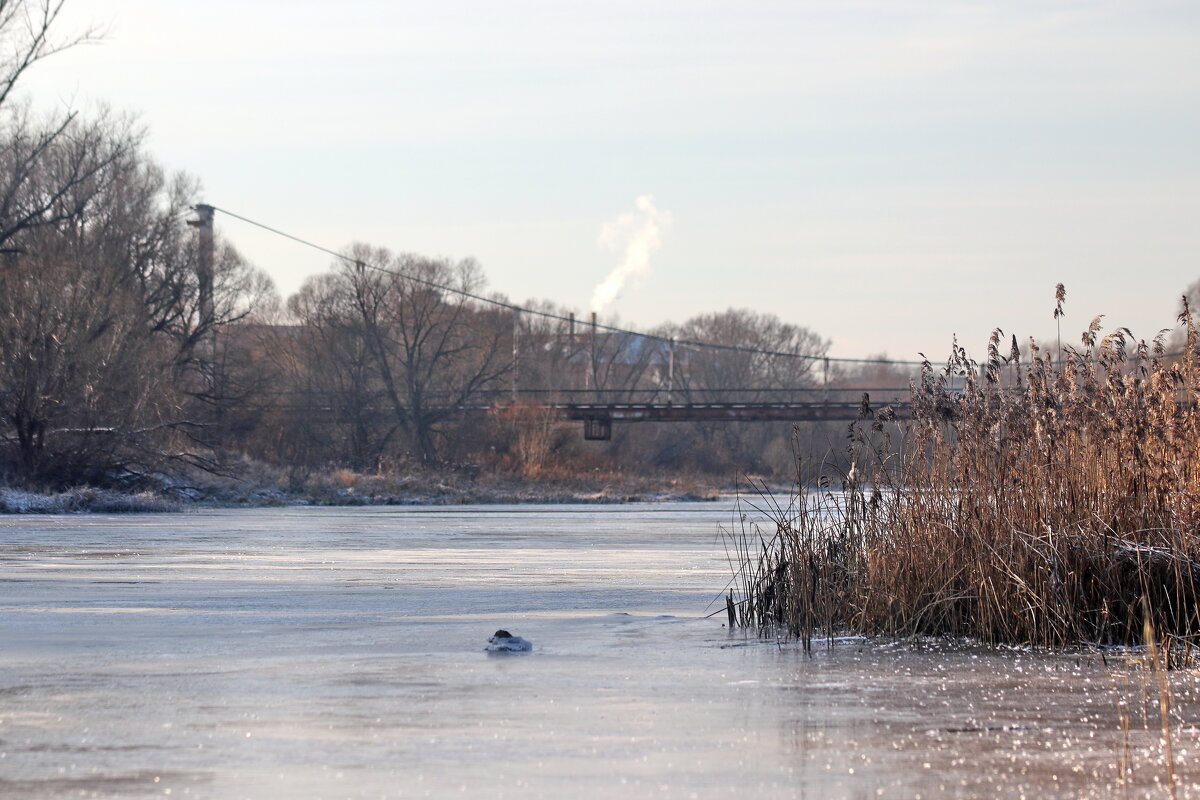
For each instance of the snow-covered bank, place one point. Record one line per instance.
(84, 499)
(344, 488)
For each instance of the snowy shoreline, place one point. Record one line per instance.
(91, 500)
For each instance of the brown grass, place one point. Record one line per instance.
(1038, 501)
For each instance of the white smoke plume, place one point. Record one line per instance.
(635, 235)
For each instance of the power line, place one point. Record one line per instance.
(559, 317)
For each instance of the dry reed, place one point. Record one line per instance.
(1037, 501)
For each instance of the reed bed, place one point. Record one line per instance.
(1031, 499)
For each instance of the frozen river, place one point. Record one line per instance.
(339, 653)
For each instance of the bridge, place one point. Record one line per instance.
(567, 369)
(722, 369)
(599, 409)
(598, 418)
(599, 415)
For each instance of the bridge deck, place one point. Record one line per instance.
(598, 418)
(723, 412)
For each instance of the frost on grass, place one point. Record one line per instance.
(82, 500)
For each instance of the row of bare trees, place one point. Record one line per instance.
(109, 370)
(380, 347)
(100, 329)
(113, 369)
(390, 358)
(101, 369)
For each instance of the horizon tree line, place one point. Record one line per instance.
(112, 372)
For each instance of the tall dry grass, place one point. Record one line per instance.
(1028, 500)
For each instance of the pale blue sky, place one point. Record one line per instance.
(887, 173)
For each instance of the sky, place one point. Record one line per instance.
(888, 174)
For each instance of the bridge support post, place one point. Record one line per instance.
(597, 429)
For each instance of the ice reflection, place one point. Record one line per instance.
(339, 653)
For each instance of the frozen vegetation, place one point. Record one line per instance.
(85, 499)
(261, 486)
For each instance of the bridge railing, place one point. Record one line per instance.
(660, 396)
(327, 403)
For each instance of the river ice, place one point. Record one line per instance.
(330, 653)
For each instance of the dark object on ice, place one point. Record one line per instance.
(504, 642)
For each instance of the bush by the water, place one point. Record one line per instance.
(1038, 500)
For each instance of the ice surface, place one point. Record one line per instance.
(332, 653)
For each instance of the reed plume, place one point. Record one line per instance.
(1048, 504)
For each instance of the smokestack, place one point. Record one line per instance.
(590, 366)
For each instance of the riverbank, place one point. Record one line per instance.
(259, 489)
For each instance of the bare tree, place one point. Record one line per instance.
(99, 312)
(618, 364)
(45, 161)
(332, 373)
(26, 38)
(82, 376)
(435, 351)
(748, 365)
(747, 357)
(431, 350)
(546, 349)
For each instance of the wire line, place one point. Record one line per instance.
(550, 315)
